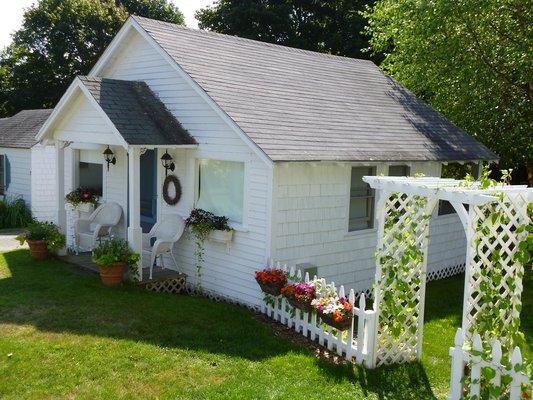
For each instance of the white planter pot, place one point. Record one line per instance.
(82, 207)
(221, 236)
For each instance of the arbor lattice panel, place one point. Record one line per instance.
(400, 286)
(493, 275)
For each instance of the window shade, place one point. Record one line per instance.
(221, 188)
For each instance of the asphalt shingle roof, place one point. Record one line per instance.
(19, 130)
(300, 105)
(139, 116)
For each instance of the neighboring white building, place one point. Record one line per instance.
(275, 138)
(17, 139)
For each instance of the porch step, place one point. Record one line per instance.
(163, 280)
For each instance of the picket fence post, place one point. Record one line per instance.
(456, 387)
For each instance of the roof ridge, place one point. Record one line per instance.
(254, 41)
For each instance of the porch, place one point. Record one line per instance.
(118, 139)
(163, 280)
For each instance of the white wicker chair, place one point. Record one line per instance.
(99, 224)
(167, 232)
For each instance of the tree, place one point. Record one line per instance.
(470, 59)
(60, 39)
(333, 26)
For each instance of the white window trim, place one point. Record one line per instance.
(3, 184)
(402, 164)
(239, 227)
(380, 168)
(76, 172)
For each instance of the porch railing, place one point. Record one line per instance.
(354, 344)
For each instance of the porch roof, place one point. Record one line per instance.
(135, 111)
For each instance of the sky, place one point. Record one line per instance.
(12, 11)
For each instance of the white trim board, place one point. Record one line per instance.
(114, 48)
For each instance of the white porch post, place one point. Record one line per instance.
(61, 217)
(134, 205)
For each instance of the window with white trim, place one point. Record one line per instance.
(399, 170)
(3, 172)
(91, 176)
(221, 188)
(361, 213)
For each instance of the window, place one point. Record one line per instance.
(221, 188)
(361, 200)
(456, 171)
(2, 174)
(91, 176)
(399, 170)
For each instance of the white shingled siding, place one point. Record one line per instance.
(18, 173)
(43, 182)
(227, 272)
(310, 224)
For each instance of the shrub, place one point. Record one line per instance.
(14, 214)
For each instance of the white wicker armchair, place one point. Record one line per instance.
(98, 225)
(167, 232)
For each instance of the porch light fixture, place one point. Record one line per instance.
(109, 157)
(167, 162)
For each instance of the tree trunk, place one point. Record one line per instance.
(529, 168)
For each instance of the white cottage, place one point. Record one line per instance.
(273, 137)
(17, 140)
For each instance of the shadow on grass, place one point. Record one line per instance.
(55, 297)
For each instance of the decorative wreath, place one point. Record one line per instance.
(172, 179)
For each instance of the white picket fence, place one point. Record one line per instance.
(355, 343)
(461, 356)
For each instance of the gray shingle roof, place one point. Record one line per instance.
(301, 105)
(139, 116)
(20, 129)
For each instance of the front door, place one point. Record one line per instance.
(148, 190)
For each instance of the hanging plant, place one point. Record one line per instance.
(201, 223)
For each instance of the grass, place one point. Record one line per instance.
(63, 335)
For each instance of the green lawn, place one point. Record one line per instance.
(63, 335)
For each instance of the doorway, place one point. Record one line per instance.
(148, 188)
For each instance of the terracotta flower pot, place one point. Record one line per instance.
(340, 325)
(305, 306)
(273, 288)
(112, 274)
(38, 249)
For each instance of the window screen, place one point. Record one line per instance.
(91, 176)
(361, 214)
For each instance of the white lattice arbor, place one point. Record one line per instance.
(493, 276)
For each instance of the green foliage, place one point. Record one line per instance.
(115, 251)
(398, 259)
(333, 26)
(60, 39)
(46, 231)
(14, 214)
(201, 223)
(470, 59)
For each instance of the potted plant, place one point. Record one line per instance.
(82, 199)
(271, 280)
(43, 238)
(113, 256)
(334, 311)
(221, 232)
(202, 224)
(300, 295)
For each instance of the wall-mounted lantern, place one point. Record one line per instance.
(167, 162)
(109, 157)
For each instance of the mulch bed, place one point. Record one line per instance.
(298, 339)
